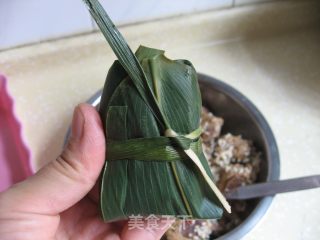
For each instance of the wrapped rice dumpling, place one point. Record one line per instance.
(150, 108)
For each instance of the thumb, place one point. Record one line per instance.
(66, 180)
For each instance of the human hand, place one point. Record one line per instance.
(55, 204)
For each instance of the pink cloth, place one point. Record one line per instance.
(14, 154)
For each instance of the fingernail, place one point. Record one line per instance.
(77, 124)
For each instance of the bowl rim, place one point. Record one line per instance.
(273, 165)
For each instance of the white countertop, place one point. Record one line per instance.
(270, 52)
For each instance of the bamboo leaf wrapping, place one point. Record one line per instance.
(150, 108)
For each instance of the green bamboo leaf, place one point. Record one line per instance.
(125, 56)
(150, 108)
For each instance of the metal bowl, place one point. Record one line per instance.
(240, 117)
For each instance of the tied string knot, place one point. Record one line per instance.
(163, 148)
(170, 147)
(193, 156)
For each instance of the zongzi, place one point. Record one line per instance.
(150, 108)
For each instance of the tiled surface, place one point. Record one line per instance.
(270, 52)
(139, 10)
(33, 20)
(23, 22)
